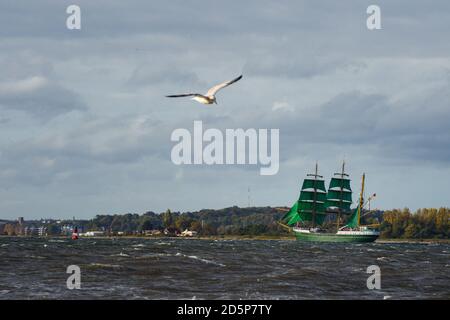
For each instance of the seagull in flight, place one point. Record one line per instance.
(210, 96)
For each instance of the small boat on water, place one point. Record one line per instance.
(308, 215)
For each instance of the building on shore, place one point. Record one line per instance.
(93, 234)
(171, 232)
(12, 229)
(188, 233)
(35, 231)
(68, 229)
(2, 228)
(152, 232)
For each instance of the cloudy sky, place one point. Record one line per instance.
(85, 126)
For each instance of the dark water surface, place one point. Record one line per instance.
(35, 268)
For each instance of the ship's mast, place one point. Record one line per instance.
(315, 198)
(342, 194)
(315, 195)
(361, 199)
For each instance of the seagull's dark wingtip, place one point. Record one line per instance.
(237, 79)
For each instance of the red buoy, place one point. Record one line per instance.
(75, 234)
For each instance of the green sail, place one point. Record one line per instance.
(303, 212)
(309, 183)
(339, 196)
(292, 212)
(311, 202)
(294, 219)
(353, 220)
(304, 216)
(338, 182)
(310, 206)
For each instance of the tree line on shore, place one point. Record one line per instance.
(423, 224)
(207, 222)
(397, 223)
(426, 223)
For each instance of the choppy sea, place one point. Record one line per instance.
(35, 268)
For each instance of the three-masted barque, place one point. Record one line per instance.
(316, 205)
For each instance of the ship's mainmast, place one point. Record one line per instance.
(315, 175)
(342, 174)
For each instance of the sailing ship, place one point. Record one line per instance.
(315, 205)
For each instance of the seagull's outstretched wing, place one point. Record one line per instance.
(216, 88)
(183, 95)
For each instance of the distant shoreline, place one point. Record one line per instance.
(228, 237)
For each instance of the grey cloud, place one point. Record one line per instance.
(378, 97)
(383, 128)
(150, 74)
(294, 65)
(45, 101)
(110, 140)
(23, 64)
(97, 144)
(28, 83)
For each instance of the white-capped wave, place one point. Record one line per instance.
(200, 259)
(161, 243)
(105, 265)
(120, 255)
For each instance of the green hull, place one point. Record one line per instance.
(332, 237)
